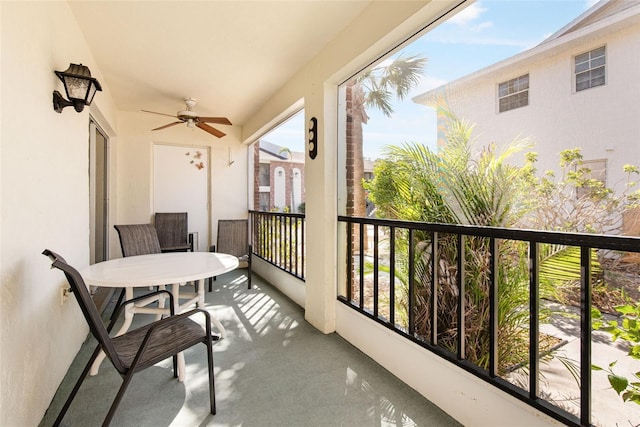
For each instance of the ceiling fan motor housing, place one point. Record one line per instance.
(188, 115)
(185, 115)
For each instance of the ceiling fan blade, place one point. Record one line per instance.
(216, 120)
(162, 114)
(213, 131)
(169, 125)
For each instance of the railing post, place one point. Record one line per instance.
(461, 298)
(302, 250)
(493, 308)
(290, 242)
(361, 263)
(392, 275)
(534, 321)
(350, 270)
(412, 290)
(585, 336)
(375, 270)
(434, 288)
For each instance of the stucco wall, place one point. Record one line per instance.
(44, 204)
(603, 120)
(228, 184)
(465, 397)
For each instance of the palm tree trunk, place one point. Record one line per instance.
(356, 116)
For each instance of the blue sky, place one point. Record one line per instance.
(484, 33)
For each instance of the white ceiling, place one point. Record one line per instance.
(232, 56)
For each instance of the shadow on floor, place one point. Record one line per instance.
(272, 369)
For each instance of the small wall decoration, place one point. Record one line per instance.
(313, 137)
(194, 157)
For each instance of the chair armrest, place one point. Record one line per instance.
(122, 305)
(178, 317)
(167, 321)
(190, 241)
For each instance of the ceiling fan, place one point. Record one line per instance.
(191, 118)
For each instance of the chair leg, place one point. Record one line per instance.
(120, 298)
(211, 280)
(118, 398)
(212, 390)
(175, 366)
(249, 252)
(83, 375)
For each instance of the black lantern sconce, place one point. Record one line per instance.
(80, 88)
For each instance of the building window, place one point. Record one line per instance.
(513, 93)
(590, 69)
(595, 170)
(264, 202)
(265, 179)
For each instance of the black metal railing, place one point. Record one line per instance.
(450, 288)
(279, 239)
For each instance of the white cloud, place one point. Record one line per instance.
(482, 26)
(471, 13)
(468, 27)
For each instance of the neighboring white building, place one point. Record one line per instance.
(578, 88)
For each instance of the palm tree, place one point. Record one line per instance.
(374, 88)
(453, 186)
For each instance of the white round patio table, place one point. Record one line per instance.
(174, 269)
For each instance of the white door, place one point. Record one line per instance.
(181, 184)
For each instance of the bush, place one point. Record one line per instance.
(627, 329)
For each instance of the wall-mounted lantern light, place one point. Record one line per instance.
(80, 88)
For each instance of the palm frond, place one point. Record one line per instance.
(562, 264)
(381, 83)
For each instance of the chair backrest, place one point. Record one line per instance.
(233, 237)
(89, 310)
(138, 239)
(172, 229)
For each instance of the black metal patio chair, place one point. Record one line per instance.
(136, 239)
(139, 348)
(172, 228)
(233, 240)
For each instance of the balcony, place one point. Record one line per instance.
(274, 368)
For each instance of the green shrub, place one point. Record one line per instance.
(626, 329)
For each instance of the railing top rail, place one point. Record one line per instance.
(284, 214)
(599, 241)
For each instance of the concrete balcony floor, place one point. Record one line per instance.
(272, 369)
